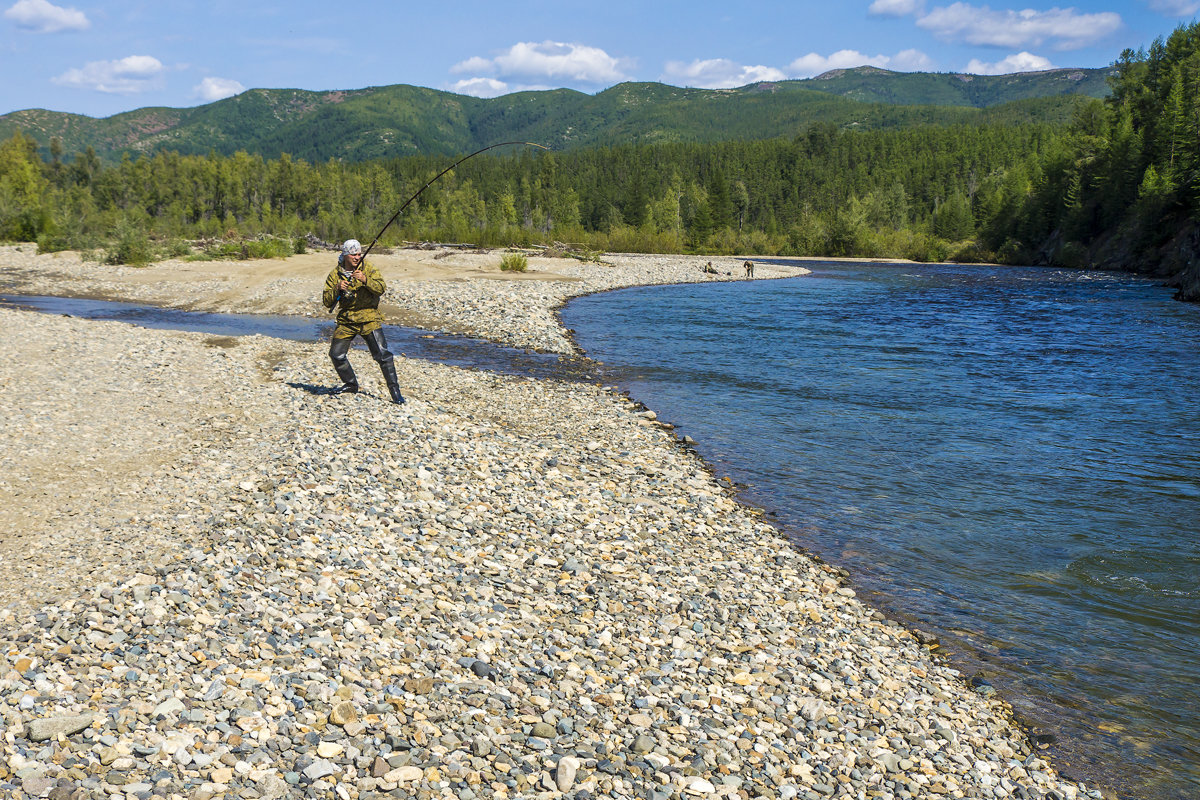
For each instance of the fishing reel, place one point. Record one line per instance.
(346, 273)
(348, 276)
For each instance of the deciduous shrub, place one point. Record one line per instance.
(514, 262)
(130, 245)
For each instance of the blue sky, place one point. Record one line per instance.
(103, 58)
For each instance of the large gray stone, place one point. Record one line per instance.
(320, 769)
(564, 773)
(39, 730)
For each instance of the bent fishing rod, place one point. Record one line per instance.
(431, 182)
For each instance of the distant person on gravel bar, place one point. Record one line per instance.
(354, 287)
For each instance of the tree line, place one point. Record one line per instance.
(830, 191)
(1125, 182)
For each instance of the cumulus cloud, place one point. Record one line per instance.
(1017, 62)
(717, 73)
(43, 17)
(1176, 8)
(212, 89)
(1062, 28)
(911, 61)
(896, 8)
(721, 73)
(128, 75)
(474, 64)
(558, 61)
(481, 87)
(815, 63)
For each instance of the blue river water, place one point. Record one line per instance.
(1008, 458)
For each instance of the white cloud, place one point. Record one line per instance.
(490, 87)
(815, 63)
(896, 8)
(549, 61)
(1017, 62)
(212, 89)
(717, 73)
(720, 73)
(43, 17)
(1176, 8)
(474, 64)
(1064, 28)
(558, 60)
(911, 61)
(480, 87)
(128, 75)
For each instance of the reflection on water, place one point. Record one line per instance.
(458, 351)
(1009, 456)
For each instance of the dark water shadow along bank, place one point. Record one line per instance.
(458, 351)
(1009, 457)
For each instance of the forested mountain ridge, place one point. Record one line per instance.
(875, 85)
(402, 120)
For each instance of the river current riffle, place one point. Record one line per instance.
(1008, 457)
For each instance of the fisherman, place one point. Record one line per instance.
(354, 287)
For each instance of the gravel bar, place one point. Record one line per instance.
(220, 581)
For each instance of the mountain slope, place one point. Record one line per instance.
(874, 85)
(401, 120)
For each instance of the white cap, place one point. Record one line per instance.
(351, 247)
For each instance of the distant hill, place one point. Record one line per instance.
(402, 120)
(874, 85)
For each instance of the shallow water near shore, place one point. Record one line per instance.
(458, 351)
(1009, 457)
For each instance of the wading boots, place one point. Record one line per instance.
(393, 383)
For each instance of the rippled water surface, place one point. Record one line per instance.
(1009, 456)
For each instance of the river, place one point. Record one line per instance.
(1008, 458)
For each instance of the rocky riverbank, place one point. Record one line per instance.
(504, 588)
(221, 581)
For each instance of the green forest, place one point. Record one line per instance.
(830, 192)
(1122, 189)
(1115, 186)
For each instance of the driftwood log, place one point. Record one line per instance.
(317, 244)
(440, 245)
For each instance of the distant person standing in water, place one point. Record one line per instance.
(354, 287)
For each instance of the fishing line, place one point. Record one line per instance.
(431, 182)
